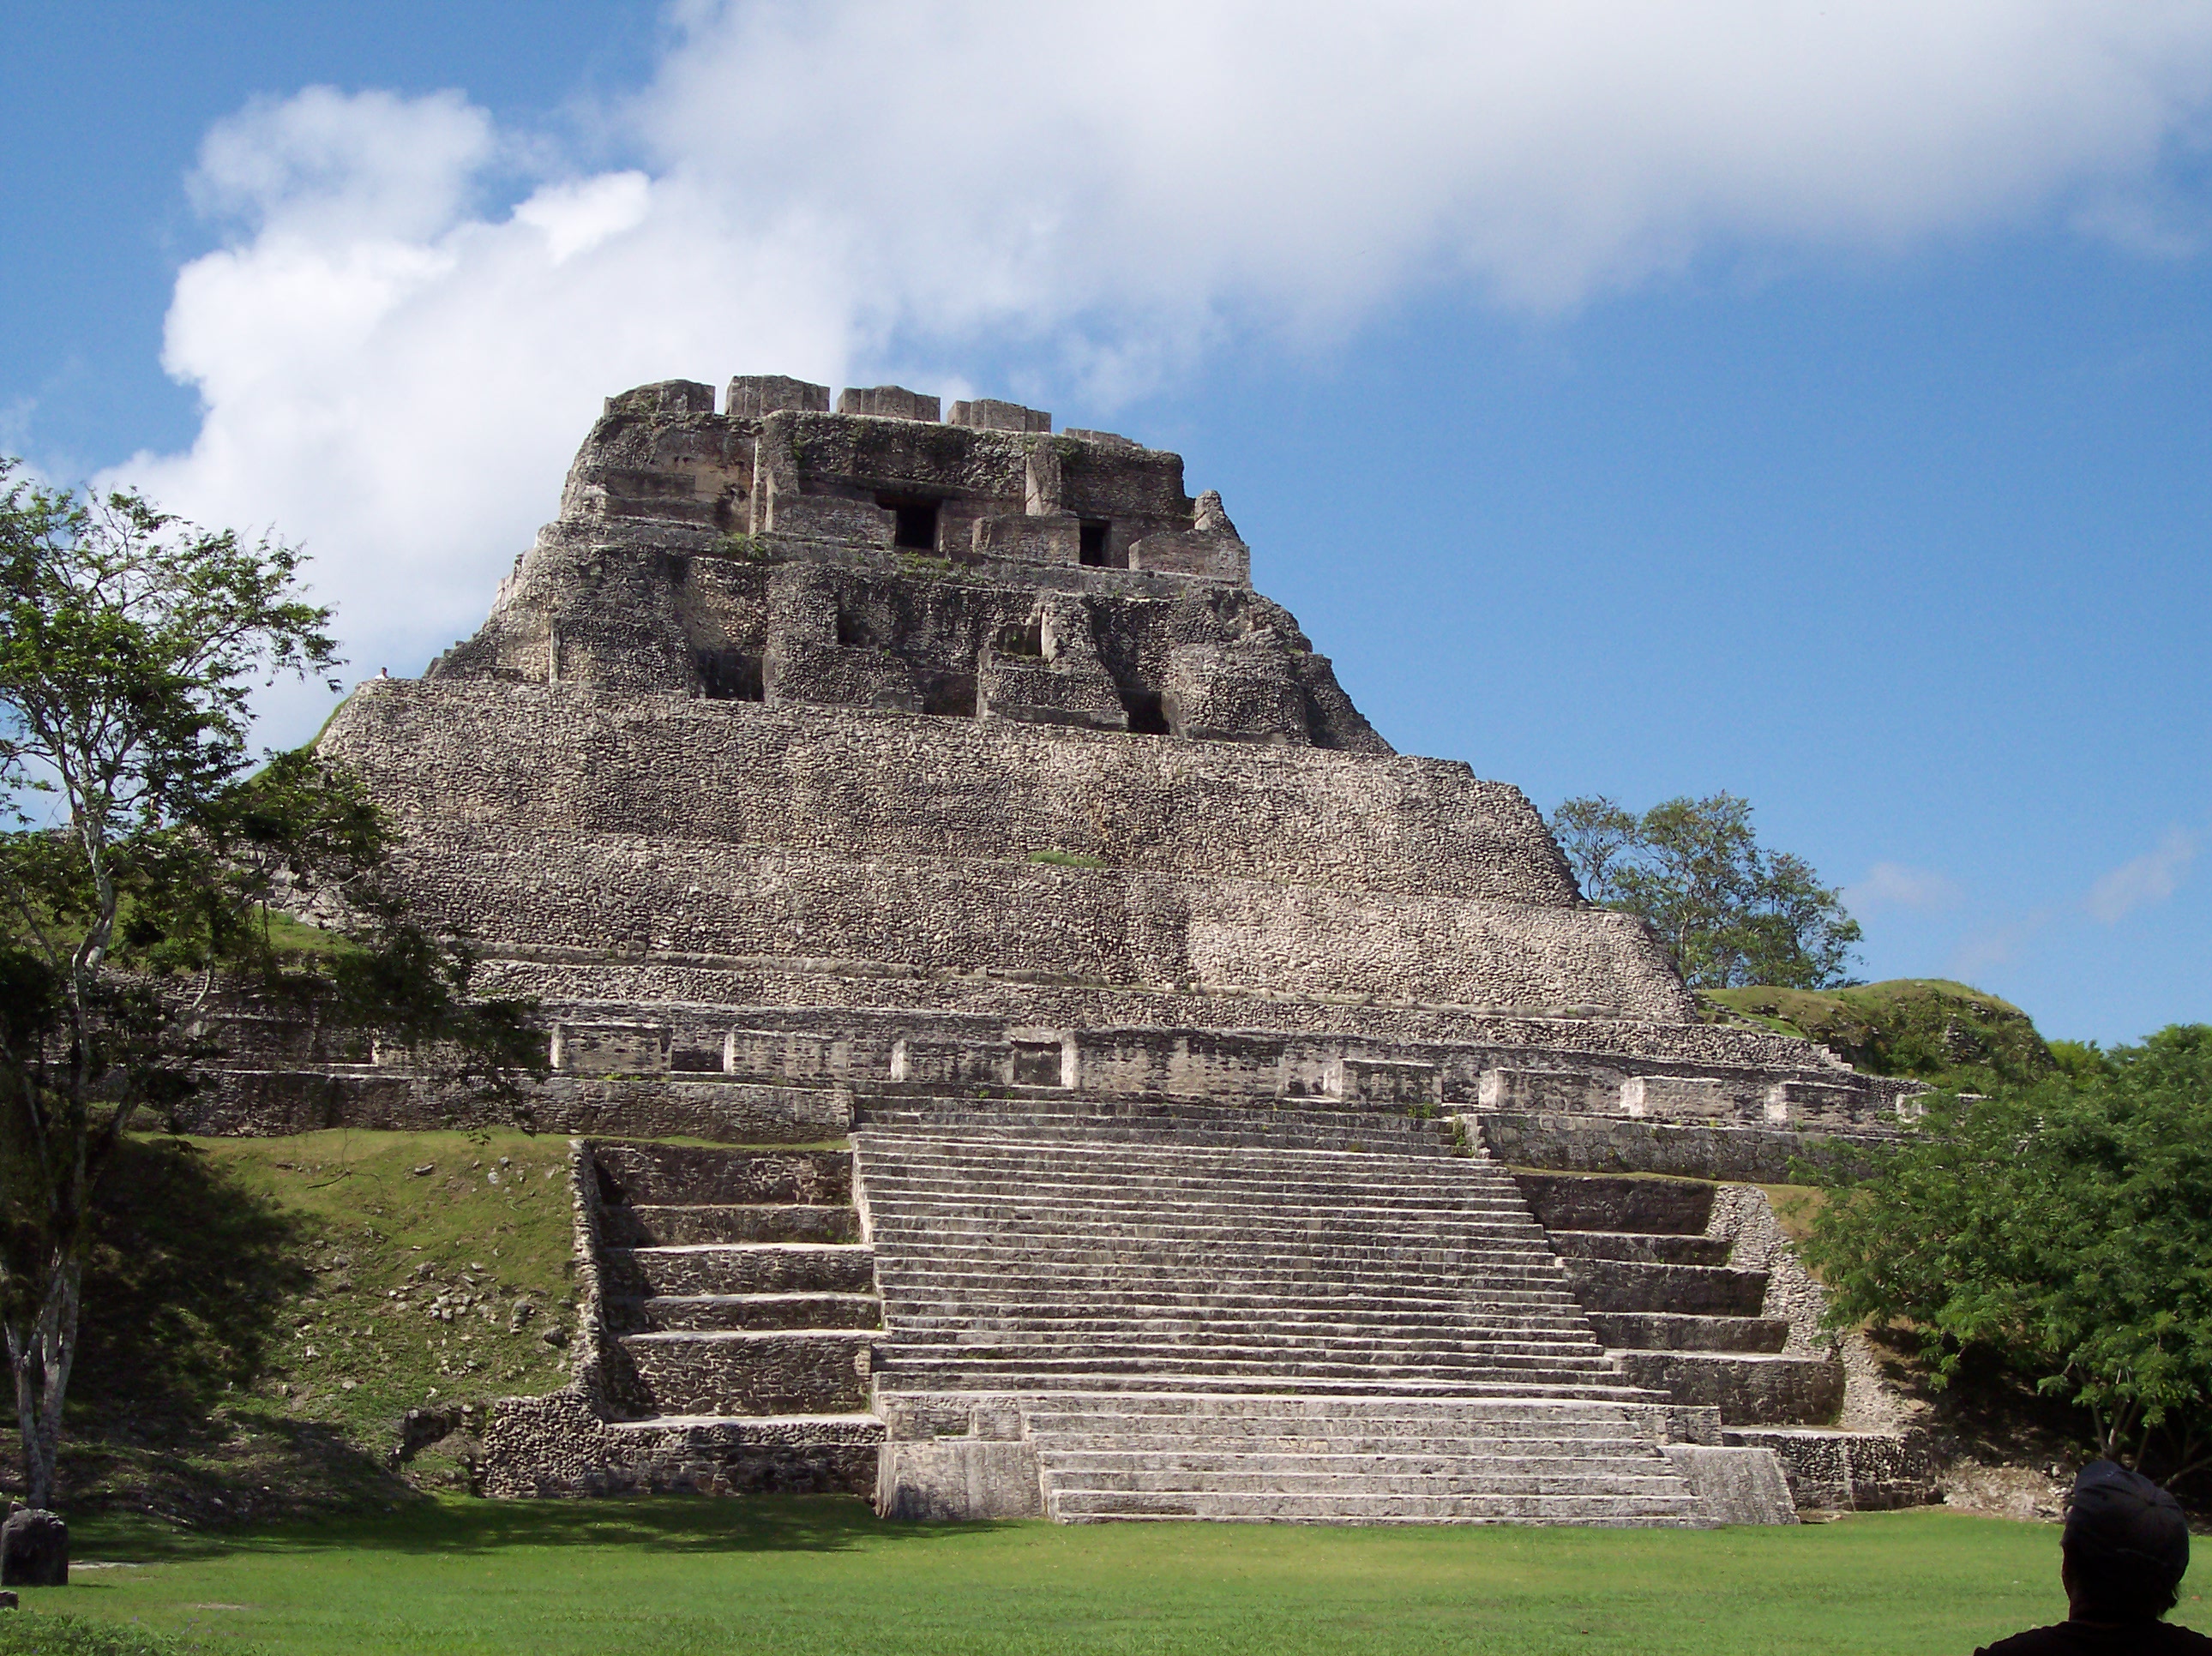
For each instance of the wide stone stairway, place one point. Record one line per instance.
(1304, 1314)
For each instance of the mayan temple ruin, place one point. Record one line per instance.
(1034, 1049)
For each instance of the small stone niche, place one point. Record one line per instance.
(1095, 543)
(1039, 1064)
(950, 695)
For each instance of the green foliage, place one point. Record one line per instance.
(1066, 860)
(129, 645)
(1729, 911)
(746, 549)
(2061, 1228)
(1931, 1029)
(37, 1634)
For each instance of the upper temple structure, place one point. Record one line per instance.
(936, 787)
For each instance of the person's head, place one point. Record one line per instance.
(2126, 1546)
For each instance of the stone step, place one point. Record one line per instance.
(1038, 1189)
(649, 1175)
(953, 1369)
(738, 1268)
(757, 1372)
(1166, 1409)
(1320, 1323)
(1575, 1201)
(1085, 1505)
(854, 1430)
(1642, 1247)
(1334, 1438)
(938, 1380)
(1107, 1335)
(1353, 1474)
(1748, 1388)
(1706, 1290)
(659, 1226)
(1077, 1157)
(1673, 1330)
(700, 1312)
(1313, 1356)
(1079, 1279)
(1259, 1129)
(973, 1212)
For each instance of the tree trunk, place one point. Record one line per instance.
(41, 1352)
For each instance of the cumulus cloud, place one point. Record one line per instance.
(2141, 881)
(397, 345)
(1894, 885)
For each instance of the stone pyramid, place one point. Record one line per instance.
(941, 784)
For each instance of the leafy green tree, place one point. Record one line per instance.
(1730, 913)
(2062, 1229)
(129, 645)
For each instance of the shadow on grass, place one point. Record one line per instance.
(649, 1524)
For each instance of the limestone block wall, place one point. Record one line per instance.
(515, 760)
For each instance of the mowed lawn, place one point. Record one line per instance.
(796, 1576)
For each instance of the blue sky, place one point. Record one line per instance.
(1684, 404)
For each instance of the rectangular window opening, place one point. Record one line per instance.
(1092, 550)
(916, 521)
(729, 676)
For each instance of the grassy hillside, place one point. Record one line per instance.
(261, 1314)
(1928, 1028)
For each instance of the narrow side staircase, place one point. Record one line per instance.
(1679, 1317)
(739, 1305)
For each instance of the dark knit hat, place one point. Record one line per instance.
(2121, 1518)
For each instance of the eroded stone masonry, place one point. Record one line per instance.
(936, 787)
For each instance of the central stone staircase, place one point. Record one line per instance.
(1303, 1314)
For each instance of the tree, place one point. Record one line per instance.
(1730, 913)
(129, 645)
(2063, 1229)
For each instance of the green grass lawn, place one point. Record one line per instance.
(799, 1576)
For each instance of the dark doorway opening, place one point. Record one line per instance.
(916, 526)
(731, 676)
(1147, 716)
(1092, 550)
(951, 696)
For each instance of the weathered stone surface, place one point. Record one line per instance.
(34, 1549)
(961, 1479)
(1737, 1485)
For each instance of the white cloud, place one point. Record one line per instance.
(1997, 945)
(2141, 881)
(1894, 885)
(397, 360)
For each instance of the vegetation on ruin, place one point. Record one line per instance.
(1931, 1029)
(140, 876)
(1066, 860)
(262, 1313)
(1729, 910)
(823, 1575)
(2058, 1231)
